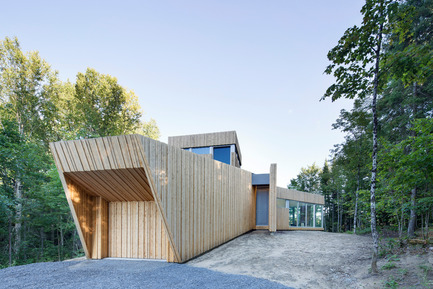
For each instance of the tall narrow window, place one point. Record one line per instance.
(310, 215)
(302, 214)
(318, 216)
(293, 213)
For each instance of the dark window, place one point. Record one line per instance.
(222, 154)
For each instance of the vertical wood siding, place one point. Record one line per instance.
(283, 219)
(141, 198)
(273, 198)
(135, 231)
(92, 214)
(206, 202)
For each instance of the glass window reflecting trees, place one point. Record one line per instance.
(293, 213)
(302, 214)
(310, 215)
(319, 210)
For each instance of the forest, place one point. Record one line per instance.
(36, 108)
(380, 178)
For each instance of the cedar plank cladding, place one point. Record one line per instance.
(131, 196)
(296, 195)
(273, 198)
(205, 140)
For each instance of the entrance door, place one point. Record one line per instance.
(262, 207)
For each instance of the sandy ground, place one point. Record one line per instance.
(303, 259)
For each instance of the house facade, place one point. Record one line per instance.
(134, 197)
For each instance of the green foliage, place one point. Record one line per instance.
(391, 282)
(406, 165)
(352, 59)
(426, 268)
(389, 266)
(37, 108)
(103, 106)
(308, 180)
(389, 57)
(410, 51)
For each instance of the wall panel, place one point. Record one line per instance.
(138, 231)
(282, 219)
(157, 201)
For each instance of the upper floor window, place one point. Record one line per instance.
(201, 151)
(222, 154)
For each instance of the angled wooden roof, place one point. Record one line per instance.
(107, 167)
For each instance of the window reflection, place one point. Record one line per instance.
(310, 215)
(293, 213)
(318, 216)
(302, 214)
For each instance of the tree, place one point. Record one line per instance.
(410, 62)
(356, 67)
(403, 171)
(27, 103)
(308, 180)
(103, 108)
(352, 154)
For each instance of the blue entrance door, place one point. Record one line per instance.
(262, 207)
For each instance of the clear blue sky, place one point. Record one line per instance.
(205, 66)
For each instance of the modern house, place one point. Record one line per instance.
(134, 197)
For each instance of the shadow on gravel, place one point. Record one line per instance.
(109, 273)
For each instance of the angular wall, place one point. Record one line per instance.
(137, 197)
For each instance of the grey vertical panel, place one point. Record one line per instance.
(262, 208)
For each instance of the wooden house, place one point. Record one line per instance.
(134, 197)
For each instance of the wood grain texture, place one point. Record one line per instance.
(207, 139)
(295, 195)
(139, 228)
(135, 197)
(283, 219)
(273, 198)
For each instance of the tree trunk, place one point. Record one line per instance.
(333, 216)
(42, 243)
(338, 212)
(400, 223)
(412, 220)
(10, 241)
(374, 233)
(73, 243)
(356, 206)
(18, 214)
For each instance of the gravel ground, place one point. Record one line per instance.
(112, 273)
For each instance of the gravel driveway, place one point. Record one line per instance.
(112, 273)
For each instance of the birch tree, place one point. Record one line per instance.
(355, 64)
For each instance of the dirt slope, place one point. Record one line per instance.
(304, 259)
